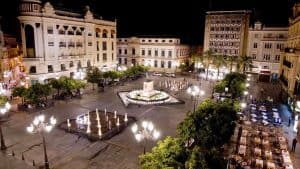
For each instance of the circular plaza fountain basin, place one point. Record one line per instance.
(152, 96)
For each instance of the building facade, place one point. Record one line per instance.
(264, 46)
(160, 54)
(60, 43)
(226, 32)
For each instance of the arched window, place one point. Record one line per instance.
(155, 63)
(29, 36)
(104, 34)
(112, 33)
(98, 32)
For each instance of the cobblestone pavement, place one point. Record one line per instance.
(67, 151)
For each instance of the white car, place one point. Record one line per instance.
(170, 74)
(156, 74)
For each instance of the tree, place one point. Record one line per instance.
(219, 61)
(20, 92)
(206, 60)
(3, 100)
(230, 61)
(244, 63)
(169, 153)
(56, 84)
(93, 76)
(196, 159)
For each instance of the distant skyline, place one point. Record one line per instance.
(185, 20)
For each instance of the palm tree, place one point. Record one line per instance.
(244, 63)
(230, 60)
(206, 60)
(219, 61)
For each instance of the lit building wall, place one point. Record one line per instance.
(264, 45)
(59, 43)
(160, 54)
(226, 32)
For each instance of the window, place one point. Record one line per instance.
(79, 44)
(170, 53)
(50, 68)
(90, 43)
(277, 57)
(32, 69)
(61, 32)
(50, 30)
(104, 57)
(149, 52)
(70, 32)
(162, 53)
(125, 51)
(254, 56)
(63, 67)
(266, 57)
(170, 41)
(143, 52)
(169, 64)
(256, 36)
(71, 64)
(112, 57)
(156, 52)
(71, 44)
(155, 63)
(62, 44)
(255, 45)
(268, 45)
(120, 60)
(133, 51)
(104, 46)
(97, 45)
(162, 64)
(98, 57)
(89, 34)
(50, 43)
(120, 51)
(163, 41)
(112, 46)
(125, 61)
(149, 40)
(78, 33)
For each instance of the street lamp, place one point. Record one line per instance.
(195, 91)
(3, 110)
(40, 126)
(147, 132)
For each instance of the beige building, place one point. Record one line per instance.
(160, 54)
(61, 43)
(226, 32)
(264, 45)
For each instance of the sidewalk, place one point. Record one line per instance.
(10, 162)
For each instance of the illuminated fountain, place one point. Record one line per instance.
(147, 95)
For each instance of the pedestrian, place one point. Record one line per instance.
(289, 121)
(294, 144)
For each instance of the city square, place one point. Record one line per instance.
(123, 85)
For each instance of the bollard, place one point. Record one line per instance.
(23, 157)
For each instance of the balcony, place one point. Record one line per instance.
(287, 63)
(284, 80)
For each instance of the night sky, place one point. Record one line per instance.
(183, 18)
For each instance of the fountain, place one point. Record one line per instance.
(147, 95)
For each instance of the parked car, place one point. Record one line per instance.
(170, 74)
(156, 74)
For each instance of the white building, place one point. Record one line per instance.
(60, 43)
(226, 32)
(264, 45)
(160, 54)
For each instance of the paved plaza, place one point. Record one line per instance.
(67, 150)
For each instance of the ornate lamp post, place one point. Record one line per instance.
(194, 91)
(40, 126)
(3, 110)
(147, 132)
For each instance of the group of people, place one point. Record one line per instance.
(175, 85)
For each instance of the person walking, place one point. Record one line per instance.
(289, 121)
(294, 144)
